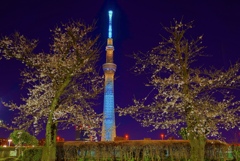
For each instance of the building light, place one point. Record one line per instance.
(9, 142)
(126, 137)
(162, 136)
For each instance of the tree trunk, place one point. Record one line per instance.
(49, 150)
(49, 153)
(197, 144)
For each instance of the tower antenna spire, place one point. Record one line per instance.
(110, 13)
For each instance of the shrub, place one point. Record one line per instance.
(21, 137)
(236, 152)
(32, 154)
(150, 150)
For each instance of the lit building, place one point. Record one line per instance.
(82, 134)
(109, 68)
(42, 141)
(3, 141)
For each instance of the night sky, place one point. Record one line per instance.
(136, 27)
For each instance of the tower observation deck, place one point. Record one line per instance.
(109, 68)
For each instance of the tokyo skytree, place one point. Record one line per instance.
(109, 68)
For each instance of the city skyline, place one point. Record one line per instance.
(138, 25)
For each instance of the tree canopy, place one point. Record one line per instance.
(184, 95)
(61, 84)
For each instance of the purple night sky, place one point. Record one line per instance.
(136, 27)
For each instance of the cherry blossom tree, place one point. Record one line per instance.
(61, 84)
(183, 95)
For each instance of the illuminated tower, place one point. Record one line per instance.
(109, 68)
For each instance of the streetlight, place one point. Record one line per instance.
(162, 136)
(9, 141)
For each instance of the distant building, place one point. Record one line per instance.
(3, 141)
(83, 134)
(119, 138)
(42, 142)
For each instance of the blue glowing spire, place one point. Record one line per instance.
(110, 13)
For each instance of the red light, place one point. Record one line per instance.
(126, 136)
(162, 136)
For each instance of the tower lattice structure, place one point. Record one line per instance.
(109, 68)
